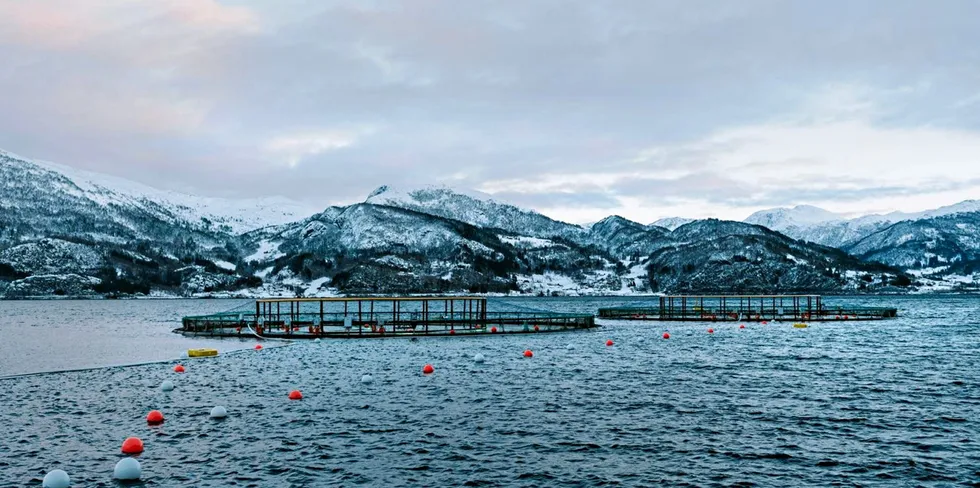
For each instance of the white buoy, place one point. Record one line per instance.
(479, 358)
(570, 347)
(316, 340)
(367, 379)
(167, 385)
(127, 469)
(56, 479)
(219, 412)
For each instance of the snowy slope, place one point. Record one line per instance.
(817, 225)
(474, 208)
(671, 223)
(229, 215)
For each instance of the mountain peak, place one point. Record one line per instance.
(671, 223)
(783, 217)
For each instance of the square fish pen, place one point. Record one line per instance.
(745, 308)
(375, 317)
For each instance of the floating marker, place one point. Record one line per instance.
(295, 395)
(316, 340)
(570, 347)
(479, 358)
(218, 412)
(666, 335)
(178, 369)
(528, 353)
(127, 469)
(711, 331)
(132, 445)
(167, 385)
(56, 479)
(452, 331)
(741, 326)
(765, 323)
(428, 369)
(258, 347)
(155, 417)
(493, 330)
(367, 379)
(536, 328)
(609, 343)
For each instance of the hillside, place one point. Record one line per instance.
(69, 233)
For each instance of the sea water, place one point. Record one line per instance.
(856, 403)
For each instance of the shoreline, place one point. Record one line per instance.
(487, 295)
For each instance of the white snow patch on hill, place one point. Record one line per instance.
(267, 251)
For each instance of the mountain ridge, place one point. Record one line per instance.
(64, 234)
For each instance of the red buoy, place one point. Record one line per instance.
(528, 353)
(295, 395)
(765, 323)
(493, 330)
(711, 331)
(666, 335)
(536, 328)
(258, 347)
(428, 369)
(132, 445)
(178, 369)
(154, 417)
(452, 331)
(609, 343)
(741, 326)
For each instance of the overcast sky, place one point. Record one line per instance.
(579, 110)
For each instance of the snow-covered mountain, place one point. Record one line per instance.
(671, 223)
(715, 256)
(950, 241)
(371, 248)
(77, 187)
(817, 225)
(474, 208)
(65, 232)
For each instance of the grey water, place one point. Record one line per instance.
(891, 403)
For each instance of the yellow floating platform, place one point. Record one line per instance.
(200, 353)
(800, 326)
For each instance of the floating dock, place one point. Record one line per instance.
(746, 308)
(370, 317)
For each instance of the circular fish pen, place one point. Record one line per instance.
(745, 308)
(376, 317)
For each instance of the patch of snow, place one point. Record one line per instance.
(268, 251)
(225, 265)
(527, 242)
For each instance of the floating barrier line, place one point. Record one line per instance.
(127, 365)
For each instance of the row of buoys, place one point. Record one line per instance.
(129, 469)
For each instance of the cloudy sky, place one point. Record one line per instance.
(578, 109)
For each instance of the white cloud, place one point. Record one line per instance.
(294, 148)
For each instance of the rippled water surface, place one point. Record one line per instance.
(889, 403)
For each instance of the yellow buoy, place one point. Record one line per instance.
(800, 326)
(200, 353)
